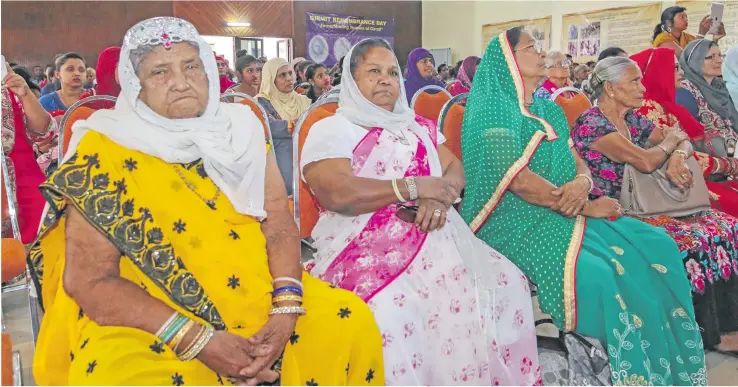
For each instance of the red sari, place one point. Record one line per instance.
(660, 107)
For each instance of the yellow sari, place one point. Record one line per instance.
(208, 262)
(665, 37)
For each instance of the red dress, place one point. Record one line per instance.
(24, 171)
(723, 193)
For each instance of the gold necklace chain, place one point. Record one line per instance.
(211, 202)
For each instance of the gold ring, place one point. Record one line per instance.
(437, 213)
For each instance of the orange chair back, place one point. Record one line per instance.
(573, 107)
(452, 128)
(7, 366)
(308, 210)
(429, 105)
(80, 113)
(257, 110)
(13, 258)
(302, 90)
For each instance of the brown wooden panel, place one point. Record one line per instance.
(407, 14)
(267, 18)
(34, 31)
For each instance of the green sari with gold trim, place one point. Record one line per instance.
(650, 340)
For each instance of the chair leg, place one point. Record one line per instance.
(35, 318)
(17, 369)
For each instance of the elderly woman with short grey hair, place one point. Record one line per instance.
(614, 134)
(451, 310)
(557, 75)
(168, 254)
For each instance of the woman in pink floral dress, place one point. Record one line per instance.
(614, 134)
(451, 309)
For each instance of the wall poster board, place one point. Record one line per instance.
(696, 10)
(330, 37)
(584, 35)
(541, 29)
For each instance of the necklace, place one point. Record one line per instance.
(403, 139)
(211, 202)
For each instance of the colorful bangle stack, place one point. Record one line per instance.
(174, 330)
(287, 294)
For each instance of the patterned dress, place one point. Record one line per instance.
(708, 240)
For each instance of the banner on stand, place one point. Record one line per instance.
(330, 37)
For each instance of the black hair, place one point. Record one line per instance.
(304, 65)
(25, 74)
(311, 70)
(241, 53)
(439, 69)
(12, 64)
(361, 49)
(592, 63)
(610, 52)
(39, 66)
(513, 36)
(458, 67)
(666, 16)
(568, 56)
(59, 63)
(244, 61)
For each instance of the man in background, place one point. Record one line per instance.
(38, 75)
(443, 72)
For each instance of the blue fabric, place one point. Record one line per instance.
(686, 99)
(51, 102)
(49, 88)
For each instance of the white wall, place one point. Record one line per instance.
(222, 45)
(458, 24)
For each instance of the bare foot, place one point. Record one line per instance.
(728, 342)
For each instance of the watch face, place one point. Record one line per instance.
(318, 49)
(341, 48)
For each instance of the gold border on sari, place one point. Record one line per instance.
(512, 65)
(570, 268)
(513, 171)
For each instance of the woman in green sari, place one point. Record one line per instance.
(614, 279)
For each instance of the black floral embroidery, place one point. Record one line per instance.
(91, 367)
(157, 347)
(84, 343)
(370, 376)
(294, 338)
(234, 282)
(80, 314)
(177, 379)
(131, 164)
(201, 170)
(180, 226)
(348, 366)
(130, 228)
(220, 380)
(344, 313)
(311, 382)
(234, 235)
(71, 356)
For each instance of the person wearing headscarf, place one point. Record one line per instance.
(25, 126)
(526, 196)
(225, 81)
(730, 74)
(420, 67)
(284, 107)
(168, 244)
(107, 80)
(705, 95)
(466, 76)
(451, 309)
(660, 107)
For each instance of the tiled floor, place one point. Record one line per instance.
(722, 369)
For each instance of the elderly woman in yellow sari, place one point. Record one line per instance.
(168, 255)
(283, 106)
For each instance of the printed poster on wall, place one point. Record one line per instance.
(330, 37)
(584, 35)
(696, 10)
(541, 29)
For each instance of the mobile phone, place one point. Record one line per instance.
(716, 17)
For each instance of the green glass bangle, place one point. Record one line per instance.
(170, 332)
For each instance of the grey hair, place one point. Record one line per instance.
(137, 55)
(607, 70)
(553, 55)
(362, 48)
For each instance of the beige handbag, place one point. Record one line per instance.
(644, 195)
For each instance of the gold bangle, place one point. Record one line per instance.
(180, 335)
(589, 179)
(202, 340)
(681, 152)
(194, 340)
(286, 298)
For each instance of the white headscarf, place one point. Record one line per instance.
(227, 137)
(360, 111)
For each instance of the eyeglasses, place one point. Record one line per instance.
(560, 64)
(715, 56)
(537, 47)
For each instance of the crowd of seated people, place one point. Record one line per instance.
(423, 264)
